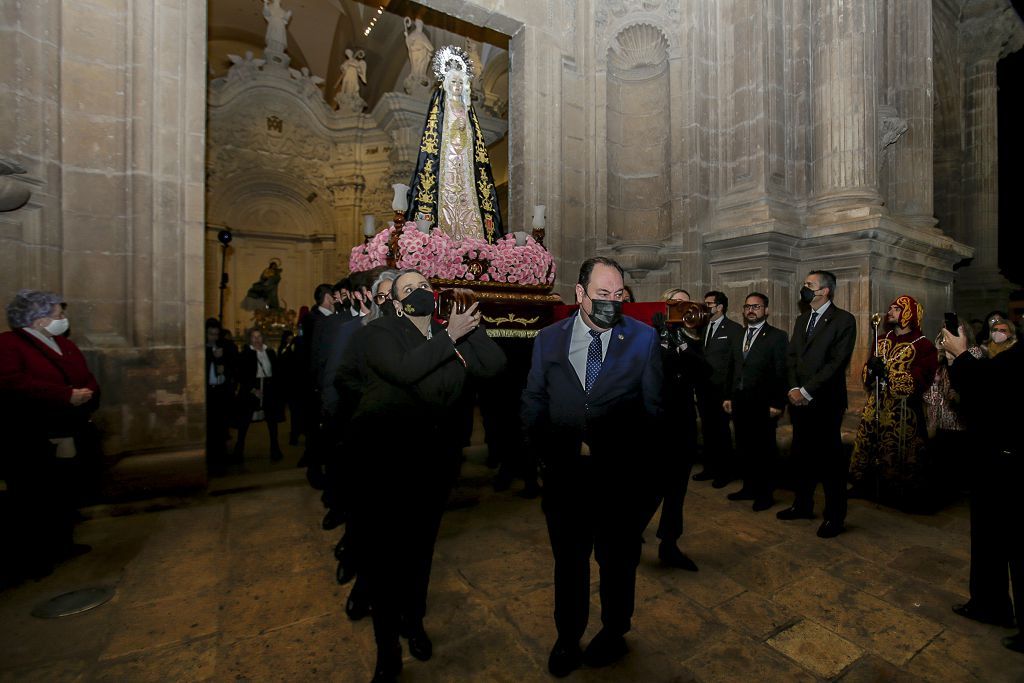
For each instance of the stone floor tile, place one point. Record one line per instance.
(63, 670)
(870, 577)
(977, 656)
(675, 626)
(157, 624)
(276, 601)
(928, 563)
(816, 648)
(931, 601)
(735, 657)
(195, 660)
(753, 614)
(768, 571)
(871, 623)
(315, 649)
(179, 574)
(873, 669)
(511, 574)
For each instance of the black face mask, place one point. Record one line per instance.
(418, 303)
(342, 306)
(605, 314)
(806, 294)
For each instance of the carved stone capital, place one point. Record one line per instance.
(990, 30)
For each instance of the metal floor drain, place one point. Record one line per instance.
(75, 602)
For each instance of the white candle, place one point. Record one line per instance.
(520, 238)
(538, 216)
(401, 200)
(369, 224)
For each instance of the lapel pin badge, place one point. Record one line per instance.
(621, 337)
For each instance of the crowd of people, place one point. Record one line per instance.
(613, 414)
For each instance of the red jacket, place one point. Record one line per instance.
(36, 384)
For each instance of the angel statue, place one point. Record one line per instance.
(353, 71)
(277, 17)
(262, 295)
(453, 185)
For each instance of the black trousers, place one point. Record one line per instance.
(671, 479)
(818, 455)
(396, 517)
(42, 490)
(589, 510)
(997, 545)
(756, 449)
(718, 451)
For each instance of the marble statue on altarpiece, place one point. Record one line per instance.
(453, 185)
(353, 71)
(420, 50)
(277, 36)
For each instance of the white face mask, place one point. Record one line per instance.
(57, 326)
(998, 337)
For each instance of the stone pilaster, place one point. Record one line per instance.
(986, 38)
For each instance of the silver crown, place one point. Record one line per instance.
(451, 57)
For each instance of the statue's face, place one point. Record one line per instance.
(456, 86)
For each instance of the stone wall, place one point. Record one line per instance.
(799, 135)
(104, 104)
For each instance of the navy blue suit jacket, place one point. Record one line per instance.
(620, 416)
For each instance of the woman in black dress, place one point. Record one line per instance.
(416, 370)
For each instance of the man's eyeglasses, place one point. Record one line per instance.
(752, 307)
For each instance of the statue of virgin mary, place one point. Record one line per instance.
(453, 186)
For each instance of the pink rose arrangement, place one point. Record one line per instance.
(437, 255)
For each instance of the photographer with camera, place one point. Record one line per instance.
(683, 364)
(997, 514)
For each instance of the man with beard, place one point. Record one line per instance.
(888, 454)
(756, 400)
(591, 411)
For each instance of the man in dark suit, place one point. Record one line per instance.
(591, 409)
(819, 354)
(720, 335)
(756, 400)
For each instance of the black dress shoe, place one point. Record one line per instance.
(1015, 643)
(332, 520)
(1002, 618)
(606, 648)
(762, 504)
(344, 573)
(672, 556)
(531, 490)
(341, 547)
(389, 664)
(357, 608)
(794, 513)
(564, 659)
(830, 529)
(742, 494)
(420, 645)
(722, 482)
(703, 476)
(72, 550)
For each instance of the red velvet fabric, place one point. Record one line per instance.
(32, 387)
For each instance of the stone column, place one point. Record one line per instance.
(908, 156)
(844, 106)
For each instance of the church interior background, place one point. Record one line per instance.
(731, 145)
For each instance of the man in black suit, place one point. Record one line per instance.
(756, 400)
(591, 411)
(819, 354)
(720, 335)
(323, 308)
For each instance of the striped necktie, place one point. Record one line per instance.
(811, 323)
